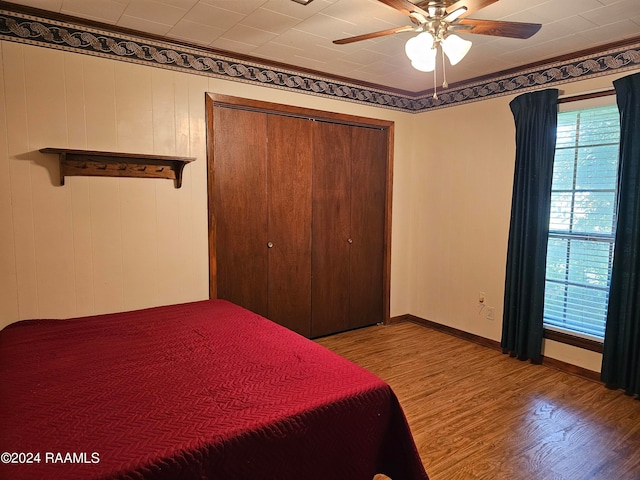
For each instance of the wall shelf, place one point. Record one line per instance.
(114, 164)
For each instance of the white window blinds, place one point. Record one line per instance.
(582, 222)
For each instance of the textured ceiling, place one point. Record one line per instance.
(286, 32)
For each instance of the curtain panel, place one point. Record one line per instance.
(621, 355)
(535, 117)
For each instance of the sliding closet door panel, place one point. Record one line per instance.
(368, 203)
(331, 232)
(289, 166)
(240, 162)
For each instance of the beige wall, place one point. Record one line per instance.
(101, 245)
(105, 244)
(463, 176)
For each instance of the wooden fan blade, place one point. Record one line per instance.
(367, 36)
(405, 7)
(501, 29)
(470, 5)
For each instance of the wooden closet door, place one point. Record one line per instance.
(289, 167)
(289, 195)
(368, 204)
(331, 228)
(240, 207)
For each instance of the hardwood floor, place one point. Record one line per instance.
(478, 414)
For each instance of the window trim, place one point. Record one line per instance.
(586, 96)
(568, 339)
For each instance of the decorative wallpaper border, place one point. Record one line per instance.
(602, 63)
(43, 32)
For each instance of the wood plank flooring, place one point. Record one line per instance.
(478, 414)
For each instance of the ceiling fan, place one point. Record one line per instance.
(437, 22)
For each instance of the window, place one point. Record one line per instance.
(582, 222)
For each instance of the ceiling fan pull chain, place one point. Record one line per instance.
(435, 85)
(444, 71)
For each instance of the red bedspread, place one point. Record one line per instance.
(199, 390)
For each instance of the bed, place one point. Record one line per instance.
(202, 390)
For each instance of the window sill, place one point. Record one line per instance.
(568, 339)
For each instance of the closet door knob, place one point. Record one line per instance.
(269, 245)
(350, 240)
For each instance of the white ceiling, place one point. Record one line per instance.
(286, 32)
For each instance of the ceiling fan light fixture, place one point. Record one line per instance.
(427, 62)
(417, 47)
(455, 48)
(303, 2)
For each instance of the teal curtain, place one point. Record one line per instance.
(621, 356)
(536, 117)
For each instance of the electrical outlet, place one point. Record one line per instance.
(490, 313)
(481, 298)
